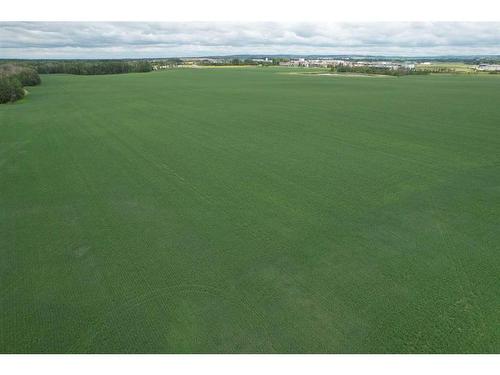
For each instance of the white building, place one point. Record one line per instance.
(488, 67)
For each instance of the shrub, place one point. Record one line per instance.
(10, 89)
(28, 77)
(12, 79)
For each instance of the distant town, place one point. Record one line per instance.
(294, 62)
(325, 62)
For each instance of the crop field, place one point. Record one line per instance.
(245, 210)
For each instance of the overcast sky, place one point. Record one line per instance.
(145, 39)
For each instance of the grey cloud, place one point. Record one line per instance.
(134, 39)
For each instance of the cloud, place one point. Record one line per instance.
(150, 39)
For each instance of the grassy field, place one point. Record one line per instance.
(241, 210)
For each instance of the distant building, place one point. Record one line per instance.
(408, 65)
(327, 63)
(488, 67)
(161, 67)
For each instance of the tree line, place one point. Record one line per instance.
(17, 74)
(87, 67)
(13, 78)
(378, 70)
(240, 61)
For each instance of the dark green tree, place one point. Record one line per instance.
(10, 89)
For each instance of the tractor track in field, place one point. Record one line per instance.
(160, 293)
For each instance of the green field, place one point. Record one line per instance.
(242, 210)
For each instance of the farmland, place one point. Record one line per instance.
(243, 211)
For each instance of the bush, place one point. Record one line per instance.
(11, 89)
(12, 79)
(28, 77)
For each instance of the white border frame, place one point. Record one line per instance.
(252, 10)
